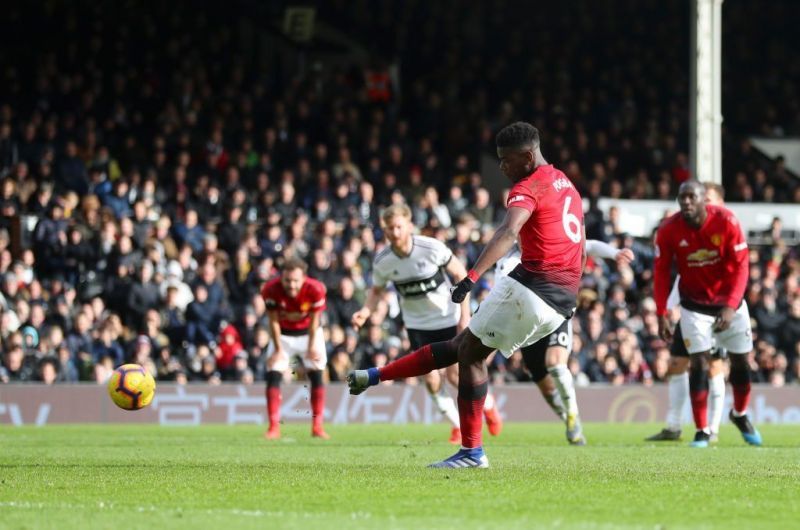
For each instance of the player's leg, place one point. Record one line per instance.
(434, 383)
(678, 389)
(315, 370)
(491, 413)
(533, 357)
(450, 373)
(698, 338)
(556, 358)
(716, 392)
(698, 392)
(276, 366)
(417, 363)
(738, 341)
(511, 317)
(473, 385)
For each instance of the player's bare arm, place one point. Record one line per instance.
(275, 332)
(601, 249)
(313, 329)
(661, 283)
(458, 272)
(374, 296)
(737, 256)
(503, 239)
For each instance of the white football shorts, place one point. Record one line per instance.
(513, 316)
(698, 335)
(297, 345)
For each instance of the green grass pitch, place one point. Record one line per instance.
(375, 477)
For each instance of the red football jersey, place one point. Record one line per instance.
(552, 239)
(294, 314)
(712, 260)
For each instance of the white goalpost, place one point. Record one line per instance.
(705, 141)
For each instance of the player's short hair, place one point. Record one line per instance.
(716, 188)
(518, 134)
(696, 186)
(396, 210)
(294, 263)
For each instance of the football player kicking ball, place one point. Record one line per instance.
(545, 214)
(682, 384)
(710, 251)
(416, 265)
(546, 359)
(295, 304)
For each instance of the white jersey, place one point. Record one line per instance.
(422, 283)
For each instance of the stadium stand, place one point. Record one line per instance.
(156, 166)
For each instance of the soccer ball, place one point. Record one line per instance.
(131, 387)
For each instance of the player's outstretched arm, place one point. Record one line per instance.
(503, 239)
(374, 296)
(601, 249)
(275, 331)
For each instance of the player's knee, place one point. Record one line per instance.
(555, 355)
(445, 353)
(315, 378)
(738, 361)
(538, 373)
(698, 378)
(432, 381)
(714, 367)
(273, 379)
(678, 365)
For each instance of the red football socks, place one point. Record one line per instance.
(741, 397)
(470, 412)
(419, 362)
(317, 405)
(274, 405)
(700, 408)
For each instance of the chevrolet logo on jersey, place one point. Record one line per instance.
(703, 257)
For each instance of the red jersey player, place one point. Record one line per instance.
(545, 214)
(295, 303)
(707, 244)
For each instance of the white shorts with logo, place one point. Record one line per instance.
(297, 345)
(513, 316)
(699, 336)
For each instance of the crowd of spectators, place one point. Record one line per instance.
(152, 177)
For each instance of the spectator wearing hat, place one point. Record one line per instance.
(174, 280)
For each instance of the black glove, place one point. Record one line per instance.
(460, 290)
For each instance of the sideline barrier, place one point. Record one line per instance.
(236, 404)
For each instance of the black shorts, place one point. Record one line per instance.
(534, 355)
(678, 347)
(420, 337)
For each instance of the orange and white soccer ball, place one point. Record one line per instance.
(131, 387)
